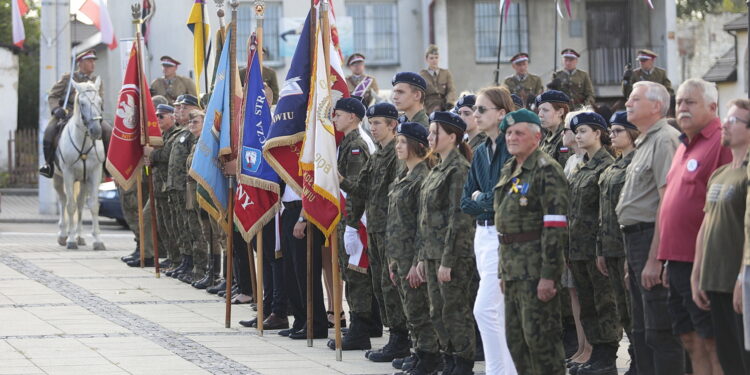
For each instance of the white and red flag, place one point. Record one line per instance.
(19, 9)
(97, 11)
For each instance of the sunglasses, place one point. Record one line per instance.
(482, 109)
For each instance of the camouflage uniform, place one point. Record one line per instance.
(129, 204)
(403, 242)
(552, 145)
(168, 229)
(576, 85)
(370, 192)
(269, 78)
(193, 216)
(420, 117)
(612, 247)
(595, 294)
(525, 197)
(172, 88)
(352, 156)
(352, 81)
(441, 93)
(477, 140)
(176, 184)
(527, 88)
(446, 236)
(657, 75)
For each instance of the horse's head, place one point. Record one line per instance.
(89, 105)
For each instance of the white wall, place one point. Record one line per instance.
(733, 90)
(9, 104)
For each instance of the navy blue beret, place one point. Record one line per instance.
(466, 101)
(164, 108)
(517, 100)
(386, 110)
(351, 105)
(448, 118)
(621, 118)
(188, 99)
(553, 96)
(588, 118)
(411, 78)
(413, 130)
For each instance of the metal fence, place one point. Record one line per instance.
(23, 156)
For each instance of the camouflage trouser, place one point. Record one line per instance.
(416, 308)
(168, 245)
(533, 330)
(218, 238)
(597, 299)
(450, 307)
(391, 310)
(358, 286)
(616, 270)
(199, 243)
(129, 204)
(179, 221)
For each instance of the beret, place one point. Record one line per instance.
(517, 100)
(519, 57)
(88, 54)
(411, 78)
(188, 99)
(588, 118)
(569, 52)
(166, 60)
(384, 109)
(621, 118)
(448, 118)
(351, 105)
(521, 115)
(164, 108)
(553, 96)
(413, 130)
(466, 101)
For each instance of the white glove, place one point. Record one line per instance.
(352, 243)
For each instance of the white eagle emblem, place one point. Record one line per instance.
(126, 111)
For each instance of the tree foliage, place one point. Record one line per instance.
(696, 9)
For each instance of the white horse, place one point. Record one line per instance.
(78, 172)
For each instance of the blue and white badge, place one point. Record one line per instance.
(692, 165)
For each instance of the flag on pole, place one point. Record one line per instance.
(19, 9)
(201, 32)
(147, 10)
(214, 137)
(650, 4)
(505, 8)
(96, 10)
(257, 196)
(125, 148)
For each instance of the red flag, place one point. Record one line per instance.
(126, 144)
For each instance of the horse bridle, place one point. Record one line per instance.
(83, 155)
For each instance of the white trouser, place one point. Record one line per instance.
(489, 308)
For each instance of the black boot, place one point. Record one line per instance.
(605, 362)
(135, 254)
(425, 364)
(185, 267)
(399, 348)
(208, 279)
(221, 285)
(48, 169)
(463, 366)
(176, 267)
(357, 338)
(405, 364)
(449, 363)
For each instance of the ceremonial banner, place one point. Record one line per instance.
(125, 145)
(18, 10)
(200, 29)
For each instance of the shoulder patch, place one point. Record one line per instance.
(356, 151)
(543, 162)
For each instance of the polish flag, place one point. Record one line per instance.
(97, 11)
(19, 10)
(555, 221)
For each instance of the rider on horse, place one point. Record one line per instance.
(86, 64)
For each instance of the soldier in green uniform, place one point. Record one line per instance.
(129, 204)
(446, 235)
(370, 192)
(595, 293)
(353, 154)
(172, 85)
(199, 243)
(408, 97)
(572, 81)
(531, 205)
(360, 84)
(86, 65)
(552, 106)
(524, 84)
(440, 93)
(270, 81)
(465, 108)
(648, 71)
(610, 256)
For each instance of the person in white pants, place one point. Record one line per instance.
(477, 200)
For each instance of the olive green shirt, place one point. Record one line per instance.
(172, 88)
(526, 87)
(353, 155)
(420, 117)
(610, 186)
(177, 174)
(440, 92)
(160, 160)
(657, 75)
(577, 85)
(477, 141)
(403, 213)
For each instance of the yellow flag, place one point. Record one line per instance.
(200, 29)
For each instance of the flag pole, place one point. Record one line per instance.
(499, 44)
(205, 58)
(136, 13)
(313, 28)
(259, 14)
(554, 53)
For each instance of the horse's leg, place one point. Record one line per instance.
(62, 229)
(93, 196)
(71, 208)
(81, 200)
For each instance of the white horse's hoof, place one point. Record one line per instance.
(62, 240)
(99, 246)
(72, 246)
(81, 241)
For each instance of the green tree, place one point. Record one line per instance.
(699, 8)
(28, 61)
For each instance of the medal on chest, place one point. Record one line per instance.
(522, 188)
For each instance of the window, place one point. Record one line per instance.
(375, 31)
(515, 30)
(246, 26)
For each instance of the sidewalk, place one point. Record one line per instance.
(22, 206)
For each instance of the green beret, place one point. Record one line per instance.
(521, 115)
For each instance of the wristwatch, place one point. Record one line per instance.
(301, 219)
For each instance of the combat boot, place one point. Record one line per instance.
(449, 363)
(219, 286)
(424, 364)
(399, 348)
(186, 266)
(407, 363)
(463, 366)
(357, 338)
(605, 364)
(135, 254)
(177, 267)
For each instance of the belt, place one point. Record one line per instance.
(292, 205)
(509, 238)
(486, 223)
(637, 227)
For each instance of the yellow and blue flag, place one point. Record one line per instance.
(198, 25)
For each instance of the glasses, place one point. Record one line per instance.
(482, 109)
(731, 120)
(615, 132)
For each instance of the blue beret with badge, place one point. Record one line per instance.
(588, 118)
(386, 110)
(553, 96)
(164, 108)
(519, 116)
(448, 118)
(517, 100)
(466, 101)
(411, 78)
(351, 105)
(413, 130)
(621, 118)
(188, 99)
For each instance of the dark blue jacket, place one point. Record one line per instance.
(483, 176)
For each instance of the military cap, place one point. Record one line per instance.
(517, 100)
(588, 118)
(411, 78)
(553, 96)
(521, 115)
(570, 53)
(431, 50)
(188, 99)
(645, 54)
(85, 55)
(355, 58)
(448, 118)
(466, 101)
(179, 99)
(519, 57)
(384, 109)
(166, 60)
(164, 108)
(621, 118)
(351, 105)
(413, 130)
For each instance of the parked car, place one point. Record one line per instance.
(109, 202)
